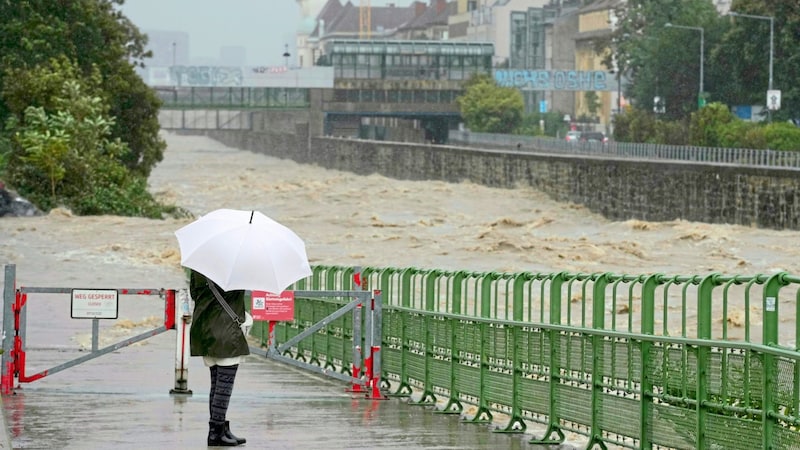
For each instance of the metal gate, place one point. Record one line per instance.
(365, 373)
(15, 330)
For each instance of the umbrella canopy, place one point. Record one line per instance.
(243, 250)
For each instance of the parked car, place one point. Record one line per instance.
(593, 136)
(573, 136)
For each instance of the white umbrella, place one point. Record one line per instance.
(243, 250)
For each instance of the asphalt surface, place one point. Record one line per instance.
(122, 400)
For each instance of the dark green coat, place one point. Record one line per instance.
(213, 332)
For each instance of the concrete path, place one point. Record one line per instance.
(122, 401)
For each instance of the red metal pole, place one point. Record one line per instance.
(169, 310)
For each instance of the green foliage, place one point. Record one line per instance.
(45, 144)
(636, 125)
(739, 133)
(712, 126)
(5, 152)
(662, 61)
(672, 132)
(753, 137)
(742, 56)
(81, 127)
(704, 128)
(63, 154)
(665, 61)
(782, 136)
(487, 107)
(592, 102)
(554, 124)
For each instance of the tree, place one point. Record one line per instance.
(665, 62)
(743, 55)
(94, 35)
(487, 107)
(592, 102)
(62, 152)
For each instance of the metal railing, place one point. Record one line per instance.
(640, 361)
(232, 97)
(738, 156)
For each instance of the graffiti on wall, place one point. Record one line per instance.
(555, 80)
(207, 75)
(270, 69)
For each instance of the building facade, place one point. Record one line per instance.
(548, 47)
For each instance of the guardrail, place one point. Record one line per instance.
(641, 361)
(739, 156)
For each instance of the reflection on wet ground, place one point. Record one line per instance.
(121, 401)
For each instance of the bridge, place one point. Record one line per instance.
(379, 89)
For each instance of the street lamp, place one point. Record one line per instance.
(700, 99)
(771, 40)
(286, 55)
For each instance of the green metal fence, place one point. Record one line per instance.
(647, 361)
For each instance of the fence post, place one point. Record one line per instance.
(486, 294)
(374, 362)
(704, 291)
(355, 365)
(518, 308)
(457, 288)
(598, 350)
(431, 300)
(183, 320)
(554, 358)
(353, 275)
(770, 339)
(648, 328)
(405, 287)
(9, 289)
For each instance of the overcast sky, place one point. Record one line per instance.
(263, 27)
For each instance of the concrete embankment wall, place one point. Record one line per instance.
(619, 189)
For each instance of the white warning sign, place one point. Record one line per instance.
(95, 304)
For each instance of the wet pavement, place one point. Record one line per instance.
(122, 401)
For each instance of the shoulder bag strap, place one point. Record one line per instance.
(222, 302)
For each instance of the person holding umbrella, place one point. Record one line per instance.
(216, 337)
(229, 251)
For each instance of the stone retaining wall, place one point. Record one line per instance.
(619, 189)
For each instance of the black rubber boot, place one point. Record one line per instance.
(239, 441)
(217, 436)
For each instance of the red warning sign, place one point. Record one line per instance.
(271, 307)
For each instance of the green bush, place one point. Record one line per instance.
(129, 198)
(739, 133)
(553, 124)
(782, 136)
(706, 124)
(672, 132)
(642, 127)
